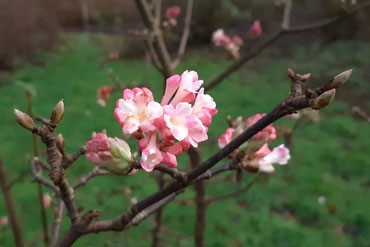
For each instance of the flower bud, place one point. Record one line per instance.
(60, 143)
(4, 220)
(58, 113)
(46, 200)
(111, 154)
(339, 80)
(24, 120)
(323, 100)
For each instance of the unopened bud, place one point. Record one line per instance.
(60, 143)
(290, 73)
(323, 100)
(24, 120)
(58, 113)
(339, 80)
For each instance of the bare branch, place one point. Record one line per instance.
(37, 173)
(285, 23)
(8, 199)
(57, 223)
(185, 34)
(96, 171)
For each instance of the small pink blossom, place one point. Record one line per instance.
(197, 131)
(151, 156)
(255, 30)
(103, 94)
(46, 200)
(4, 220)
(231, 44)
(181, 88)
(112, 154)
(204, 107)
(279, 155)
(173, 12)
(176, 119)
(263, 151)
(219, 38)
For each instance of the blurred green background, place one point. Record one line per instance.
(330, 158)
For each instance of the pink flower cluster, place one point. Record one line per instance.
(231, 44)
(256, 154)
(166, 129)
(234, 43)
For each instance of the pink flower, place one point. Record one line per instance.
(225, 138)
(103, 94)
(219, 38)
(4, 220)
(279, 155)
(46, 200)
(176, 119)
(263, 151)
(197, 131)
(181, 88)
(204, 108)
(267, 134)
(255, 30)
(151, 156)
(137, 110)
(112, 154)
(173, 12)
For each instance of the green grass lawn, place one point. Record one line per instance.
(330, 158)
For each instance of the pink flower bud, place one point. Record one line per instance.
(219, 38)
(225, 138)
(46, 200)
(255, 30)
(173, 12)
(24, 120)
(103, 94)
(58, 113)
(111, 154)
(4, 220)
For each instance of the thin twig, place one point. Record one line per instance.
(285, 23)
(185, 34)
(8, 199)
(96, 171)
(156, 240)
(39, 185)
(234, 193)
(57, 223)
(37, 174)
(200, 201)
